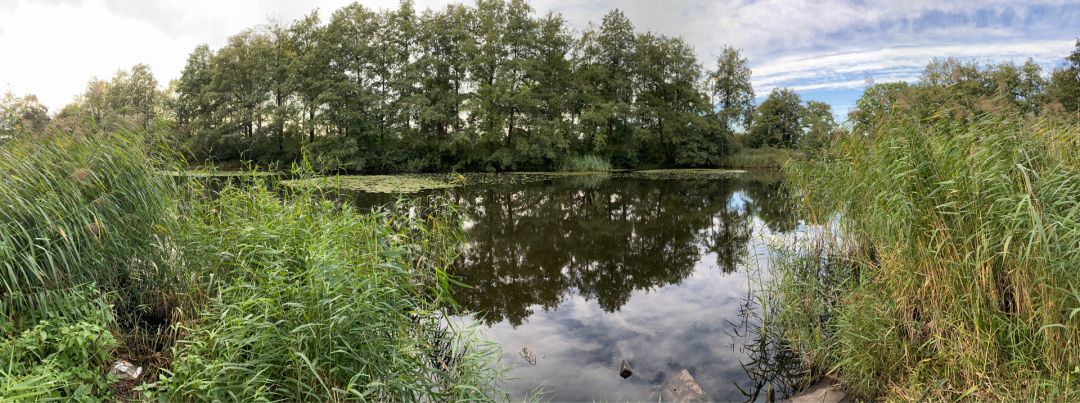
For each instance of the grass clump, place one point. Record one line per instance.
(62, 355)
(316, 301)
(77, 211)
(585, 163)
(952, 272)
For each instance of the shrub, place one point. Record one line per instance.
(62, 355)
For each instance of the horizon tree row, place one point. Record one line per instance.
(490, 87)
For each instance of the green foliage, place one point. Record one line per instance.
(731, 88)
(763, 157)
(490, 87)
(819, 126)
(81, 210)
(314, 300)
(777, 121)
(954, 271)
(63, 356)
(874, 105)
(586, 163)
(1064, 86)
(94, 229)
(21, 115)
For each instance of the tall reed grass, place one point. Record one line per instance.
(75, 211)
(243, 293)
(313, 300)
(954, 270)
(83, 222)
(586, 163)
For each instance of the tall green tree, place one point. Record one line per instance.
(730, 88)
(777, 122)
(308, 74)
(1032, 90)
(874, 104)
(673, 113)
(22, 115)
(134, 94)
(606, 58)
(1064, 86)
(819, 126)
(195, 114)
(442, 75)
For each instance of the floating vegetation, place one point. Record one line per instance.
(204, 173)
(415, 183)
(411, 183)
(683, 173)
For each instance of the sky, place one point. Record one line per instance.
(826, 50)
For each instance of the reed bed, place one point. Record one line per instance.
(240, 293)
(586, 163)
(313, 300)
(953, 269)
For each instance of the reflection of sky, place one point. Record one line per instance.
(579, 347)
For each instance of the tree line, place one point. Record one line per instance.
(496, 86)
(489, 87)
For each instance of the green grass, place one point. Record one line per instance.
(955, 271)
(315, 300)
(250, 294)
(585, 163)
(84, 227)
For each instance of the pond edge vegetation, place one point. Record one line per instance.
(107, 258)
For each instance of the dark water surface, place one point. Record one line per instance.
(571, 276)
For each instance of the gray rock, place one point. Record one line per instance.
(125, 371)
(682, 387)
(825, 391)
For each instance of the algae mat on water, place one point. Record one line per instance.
(202, 173)
(687, 173)
(413, 183)
(378, 183)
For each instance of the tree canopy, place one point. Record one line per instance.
(487, 87)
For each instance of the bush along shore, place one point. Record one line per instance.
(250, 294)
(950, 266)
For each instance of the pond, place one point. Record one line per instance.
(570, 276)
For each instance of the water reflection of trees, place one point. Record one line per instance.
(531, 245)
(770, 201)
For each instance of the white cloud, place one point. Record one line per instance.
(53, 47)
(847, 69)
